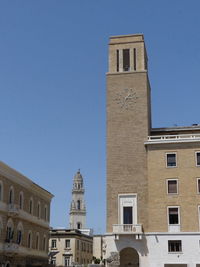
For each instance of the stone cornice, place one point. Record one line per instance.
(22, 180)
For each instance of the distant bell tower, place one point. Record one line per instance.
(77, 209)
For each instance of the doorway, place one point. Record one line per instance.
(129, 258)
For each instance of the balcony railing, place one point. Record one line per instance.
(173, 138)
(13, 209)
(127, 229)
(11, 248)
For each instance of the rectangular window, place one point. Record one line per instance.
(78, 244)
(172, 186)
(126, 60)
(171, 159)
(174, 246)
(53, 243)
(67, 243)
(173, 214)
(134, 58)
(128, 215)
(53, 260)
(66, 261)
(198, 158)
(117, 60)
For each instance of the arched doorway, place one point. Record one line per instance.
(129, 258)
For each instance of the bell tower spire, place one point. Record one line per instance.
(77, 209)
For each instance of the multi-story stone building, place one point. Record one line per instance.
(153, 174)
(24, 220)
(70, 247)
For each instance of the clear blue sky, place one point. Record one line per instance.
(53, 60)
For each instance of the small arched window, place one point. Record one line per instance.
(45, 213)
(9, 230)
(44, 242)
(21, 200)
(78, 204)
(31, 206)
(38, 210)
(37, 241)
(29, 243)
(19, 233)
(11, 195)
(78, 225)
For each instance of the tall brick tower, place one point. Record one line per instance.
(128, 125)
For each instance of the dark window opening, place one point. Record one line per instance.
(20, 201)
(174, 246)
(78, 204)
(171, 160)
(198, 158)
(30, 207)
(126, 60)
(172, 187)
(9, 234)
(67, 243)
(134, 58)
(29, 240)
(19, 237)
(37, 242)
(117, 60)
(11, 197)
(145, 60)
(128, 215)
(53, 243)
(198, 185)
(173, 216)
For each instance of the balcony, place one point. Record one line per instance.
(127, 229)
(181, 138)
(13, 210)
(11, 249)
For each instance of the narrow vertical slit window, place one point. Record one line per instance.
(126, 59)
(145, 60)
(134, 59)
(117, 60)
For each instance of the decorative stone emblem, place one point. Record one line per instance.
(126, 99)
